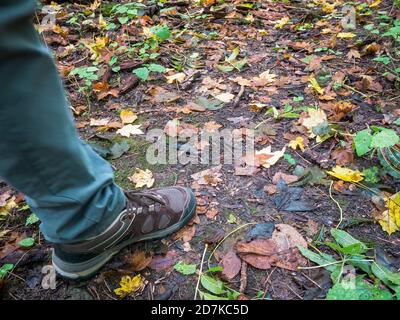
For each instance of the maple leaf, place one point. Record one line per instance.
(346, 174)
(130, 129)
(390, 218)
(127, 116)
(298, 142)
(129, 285)
(142, 178)
(316, 118)
(267, 158)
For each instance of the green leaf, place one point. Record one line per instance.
(142, 73)
(289, 159)
(162, 32)
(384, 59)
(385, 274)
(346, 240)
(385, 138)
(214, 269)
(213, 285)
(33, 218)
(232, 219)
(27, 242)
(118, 149)
(325, 260)
(5, 268)
(186, 269)
(371, 175)
(207, 296)
(225, 68)
(156, 68)
(359, 290)
(362, 142)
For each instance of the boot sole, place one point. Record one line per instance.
(86, 269)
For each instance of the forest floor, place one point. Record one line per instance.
(295, 72)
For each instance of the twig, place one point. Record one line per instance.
(200, 271)
(338, 205)
(243, 277)
(267, 283)
(239, 95)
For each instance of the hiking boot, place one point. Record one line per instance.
(149, 215)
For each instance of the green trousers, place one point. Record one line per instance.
(68, 186)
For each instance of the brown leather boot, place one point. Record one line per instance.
(149, 215)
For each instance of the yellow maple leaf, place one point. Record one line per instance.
(390, 219)
(142, 178)
(298, 142)
(127, 116)
(346, 174)
(129, 285)
(315, 85)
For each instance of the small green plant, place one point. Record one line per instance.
(87, 74)
(143, 73)
(213, 288)
(378, 137)
(356, 275)
(231, 62)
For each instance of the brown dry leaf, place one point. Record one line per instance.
(288, 178)
(343, 156)
(353, 54)
(210, 176)
(231, 265)
(160, 95)
(338, 110)
(186, 233)
(281, 250)
(267, 158)
(177, 77)
(162, 262)
(270, 189)
(212, 210)
(140, 260)
(211, 126)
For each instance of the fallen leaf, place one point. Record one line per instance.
(127, 116)
(177, 77)
(142, 178)
(298, 142)
(346, 174)
(130, 285)
(267, 158)
(162, 262)
(210, 176)
(225, 97)
(288, 178)
(130, 129)
(231, 265)
(140, 260)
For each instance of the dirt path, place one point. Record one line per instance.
(259, 58)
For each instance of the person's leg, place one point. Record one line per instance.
(67, 184)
